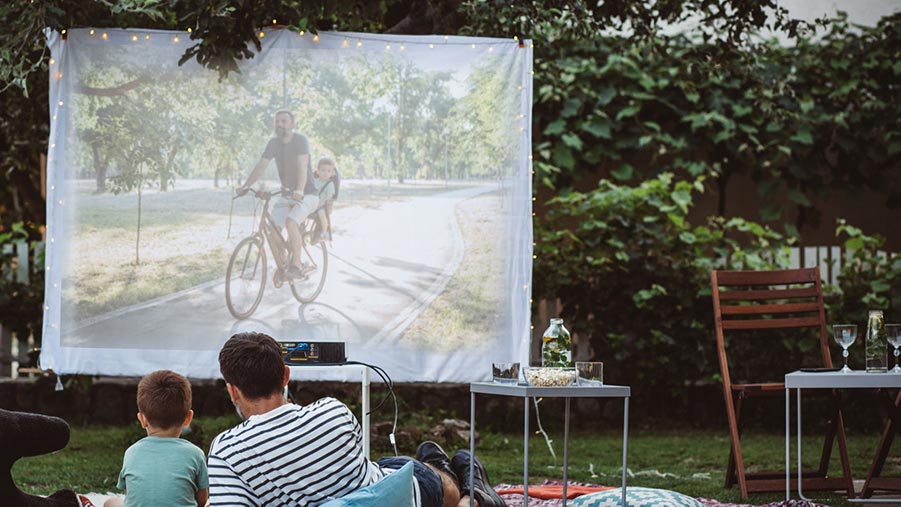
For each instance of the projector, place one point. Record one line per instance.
(313, 353)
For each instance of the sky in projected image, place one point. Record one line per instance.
(422, 264)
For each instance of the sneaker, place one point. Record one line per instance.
(431, 453)
(480, 489)
(294, 273)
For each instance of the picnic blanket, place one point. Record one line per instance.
(549, 494)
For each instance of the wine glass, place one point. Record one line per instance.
(844, 335)
(893, 333)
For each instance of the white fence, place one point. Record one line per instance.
(830, 259)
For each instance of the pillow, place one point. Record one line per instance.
(636, 497)
(395, 490)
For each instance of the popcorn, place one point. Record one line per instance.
(550, 377)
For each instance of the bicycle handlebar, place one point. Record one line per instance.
(262, 194)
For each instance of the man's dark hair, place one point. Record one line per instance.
(284, 111)
(164, 397)
(253, 363)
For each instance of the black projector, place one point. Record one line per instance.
(313, 353)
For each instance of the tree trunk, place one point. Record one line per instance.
(138, 237)
(99, 169)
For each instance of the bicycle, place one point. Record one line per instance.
(245, 278)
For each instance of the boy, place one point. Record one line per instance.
(325, 177)
(162, 469)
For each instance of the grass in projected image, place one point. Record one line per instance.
(184, 243)
(468, 305)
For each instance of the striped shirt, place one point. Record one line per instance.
(291, 456)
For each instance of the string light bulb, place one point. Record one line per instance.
(52, 61)
(402, 47)
(104, 36)
(316, 38)
(473, 46)
(274, 22)
(134, 38)
(189, 29)
(388, 46)
(147, 37)
(63, 32)
(431, 46)
(301, 33)
(262, 34)
(175, 39)
(516, 37)
(344, 43)
(359, 43)
(91, 32)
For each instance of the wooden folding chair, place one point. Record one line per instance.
(746, 301)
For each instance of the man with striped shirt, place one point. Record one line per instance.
(287, 455)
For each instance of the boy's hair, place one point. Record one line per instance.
(336, 178)
(253, 363)
(164, 397)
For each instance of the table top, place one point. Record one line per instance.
(526, 391)
(838, 380)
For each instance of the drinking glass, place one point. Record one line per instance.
(844, 335)
(893, 333)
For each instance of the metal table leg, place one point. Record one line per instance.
(565, 448)
(625, 444)
(365, 397)
(787, 445)
(472, 441)
(525, 454)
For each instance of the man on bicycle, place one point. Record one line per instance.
(299, 197)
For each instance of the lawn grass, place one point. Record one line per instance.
(690, 461)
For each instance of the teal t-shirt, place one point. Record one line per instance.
(163, 471)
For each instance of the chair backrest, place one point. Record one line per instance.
(767, 300)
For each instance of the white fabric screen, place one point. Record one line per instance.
(429, 265)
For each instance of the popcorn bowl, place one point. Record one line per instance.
(550, 377)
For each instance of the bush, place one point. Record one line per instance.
(633, 276)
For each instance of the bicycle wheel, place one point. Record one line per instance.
(315, 258)
(245, 278)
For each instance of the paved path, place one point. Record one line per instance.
(386, 264)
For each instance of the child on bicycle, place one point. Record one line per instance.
(325, 178)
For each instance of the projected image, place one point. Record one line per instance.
(339, 192)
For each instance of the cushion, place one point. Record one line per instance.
(636, 497)
(395, 490)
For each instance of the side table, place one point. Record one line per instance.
(799, 380)
(525, 392)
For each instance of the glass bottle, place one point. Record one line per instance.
(877, 343)
(556, 346)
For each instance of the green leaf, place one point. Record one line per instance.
(854, 244)
(598, 127)
(799, 198)
(572, 141)
(682, 197)
(803, 135)
(624, 172)
(806, 105)
(687, 237)
(627, 112)
(606, 95)
(563, 157)
(555, 128)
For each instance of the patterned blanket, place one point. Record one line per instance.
(516, 499)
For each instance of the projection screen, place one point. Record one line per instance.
(416, 251)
